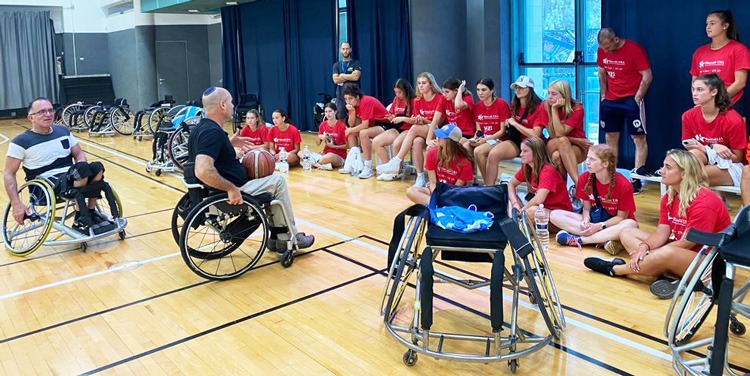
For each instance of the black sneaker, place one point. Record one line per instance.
(603, 266)
(98, 218)
(81, 227)
(637, 186)
(305, 241)
(664, 288)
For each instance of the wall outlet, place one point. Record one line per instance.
(13, 114)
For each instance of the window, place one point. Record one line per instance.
(557, 41)
(342, 25)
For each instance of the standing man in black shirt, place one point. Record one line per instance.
(346, 70)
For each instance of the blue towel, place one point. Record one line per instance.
(458, 219)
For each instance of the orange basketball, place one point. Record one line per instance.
(258, 163)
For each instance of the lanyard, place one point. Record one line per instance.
(344, 68)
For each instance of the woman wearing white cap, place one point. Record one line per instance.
(449, 163)
(518, 124)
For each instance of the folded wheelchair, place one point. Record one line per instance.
(147, 120)
(169, 146)
(413, 258)
(52, 217)
(220, 241)
(709, 281)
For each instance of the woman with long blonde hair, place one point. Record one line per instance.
(424, 119)
(600, 185)
(687, 204)
(563, 118)
(542, 177)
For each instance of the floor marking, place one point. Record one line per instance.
(582, 325)
(5, 139)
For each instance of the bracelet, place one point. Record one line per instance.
(648, 247)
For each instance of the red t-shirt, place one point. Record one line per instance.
(623, 67)
(706, 213)
(724, 62)
(426, 108)
(372, 110)
(530, 120)
(727, 128)
(575, 120)
(549, 179)
(463, 118)
(286, 139)
(398, 107)
(622, 194)
(338, 131)
(490, 117)
(258, 137)
(460, 168)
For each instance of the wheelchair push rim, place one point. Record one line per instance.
(23, 239)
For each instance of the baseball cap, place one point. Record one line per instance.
(522, 81)
(450, 131)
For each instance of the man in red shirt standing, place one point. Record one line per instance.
(624, 78)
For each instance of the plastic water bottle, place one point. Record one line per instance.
(541, 218)
(306, 159)
(284, 165)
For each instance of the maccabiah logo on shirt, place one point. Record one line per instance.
(709, 140)
(613, 62)
(282, 140)
(446, 171)
(679, 221)
(488, 117)
(711, 64)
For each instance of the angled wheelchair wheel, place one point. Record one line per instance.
(155, 118)
(402, 267)
(221, 241)
(177, 145)
(24, 238)
(539, 278)
(689, 310)
(89, 116)
(122, 119)
(102, 204)
(67, 113)
(178, 216)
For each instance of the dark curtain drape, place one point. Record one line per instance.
(381, 40)
(27, 58)
(232, 51)
(287, 54)
(669, 39)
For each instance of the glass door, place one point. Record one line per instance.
(556, 40)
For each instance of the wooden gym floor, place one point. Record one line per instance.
(133, 307)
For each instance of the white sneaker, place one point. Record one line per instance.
(327, 167)
(366, 173)
(388, 177)
(421, 181)
(344, 171)
(392, 167)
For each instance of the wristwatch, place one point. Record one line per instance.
(604, 225)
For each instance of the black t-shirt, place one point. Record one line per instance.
(346, 67)
(208, 138)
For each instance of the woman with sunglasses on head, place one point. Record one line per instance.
(687, 204)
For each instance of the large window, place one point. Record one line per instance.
(557, 41)
(343, 35)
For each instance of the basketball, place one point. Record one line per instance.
(258, 163)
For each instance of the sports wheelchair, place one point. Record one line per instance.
(169, 146)
(526, 273)
(220, 241)
(246, 103)
(147, 120)
(105, 120)
(50, 222)
(709, 281)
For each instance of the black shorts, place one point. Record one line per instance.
(613, 114)
(389, 126)
(85, 170)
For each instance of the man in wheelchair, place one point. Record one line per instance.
(48, 152)
(217, 166)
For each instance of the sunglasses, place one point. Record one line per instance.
(46, 111)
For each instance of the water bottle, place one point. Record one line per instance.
(541, 218)
(306, 159)
(284, 165)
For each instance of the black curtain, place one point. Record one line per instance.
(27, 58)
(286, 54)
(232, 51)
(379, 32)
(670, 31)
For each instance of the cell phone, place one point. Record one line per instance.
(689, 142)
(491, 142)
(479, 134)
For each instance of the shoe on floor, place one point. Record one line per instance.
(421, 181)
(664, 288)
(392, 167)
(603, 266)
(388, 177)
(327, 167)
(305, 241)
(366, 173)
(565, 238)
(345, 171)
(613, 247)
(637, 186)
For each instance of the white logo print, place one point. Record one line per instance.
(637, 123)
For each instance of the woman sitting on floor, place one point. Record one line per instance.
(687, 204)
(542, 179)
(608, 205)
(255, 129)
(332, 132)
(449, 162)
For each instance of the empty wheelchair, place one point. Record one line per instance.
(73, 116)
(526, 272)
(147, 120)
(169, 146)
(221, 241)
(709, 281)
(52, 216)
(246, 103)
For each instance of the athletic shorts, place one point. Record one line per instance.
(624, 111)
(389, 126)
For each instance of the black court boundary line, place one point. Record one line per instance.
(602, 320)
(552, 343)
(228, 324)
(149, 298)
